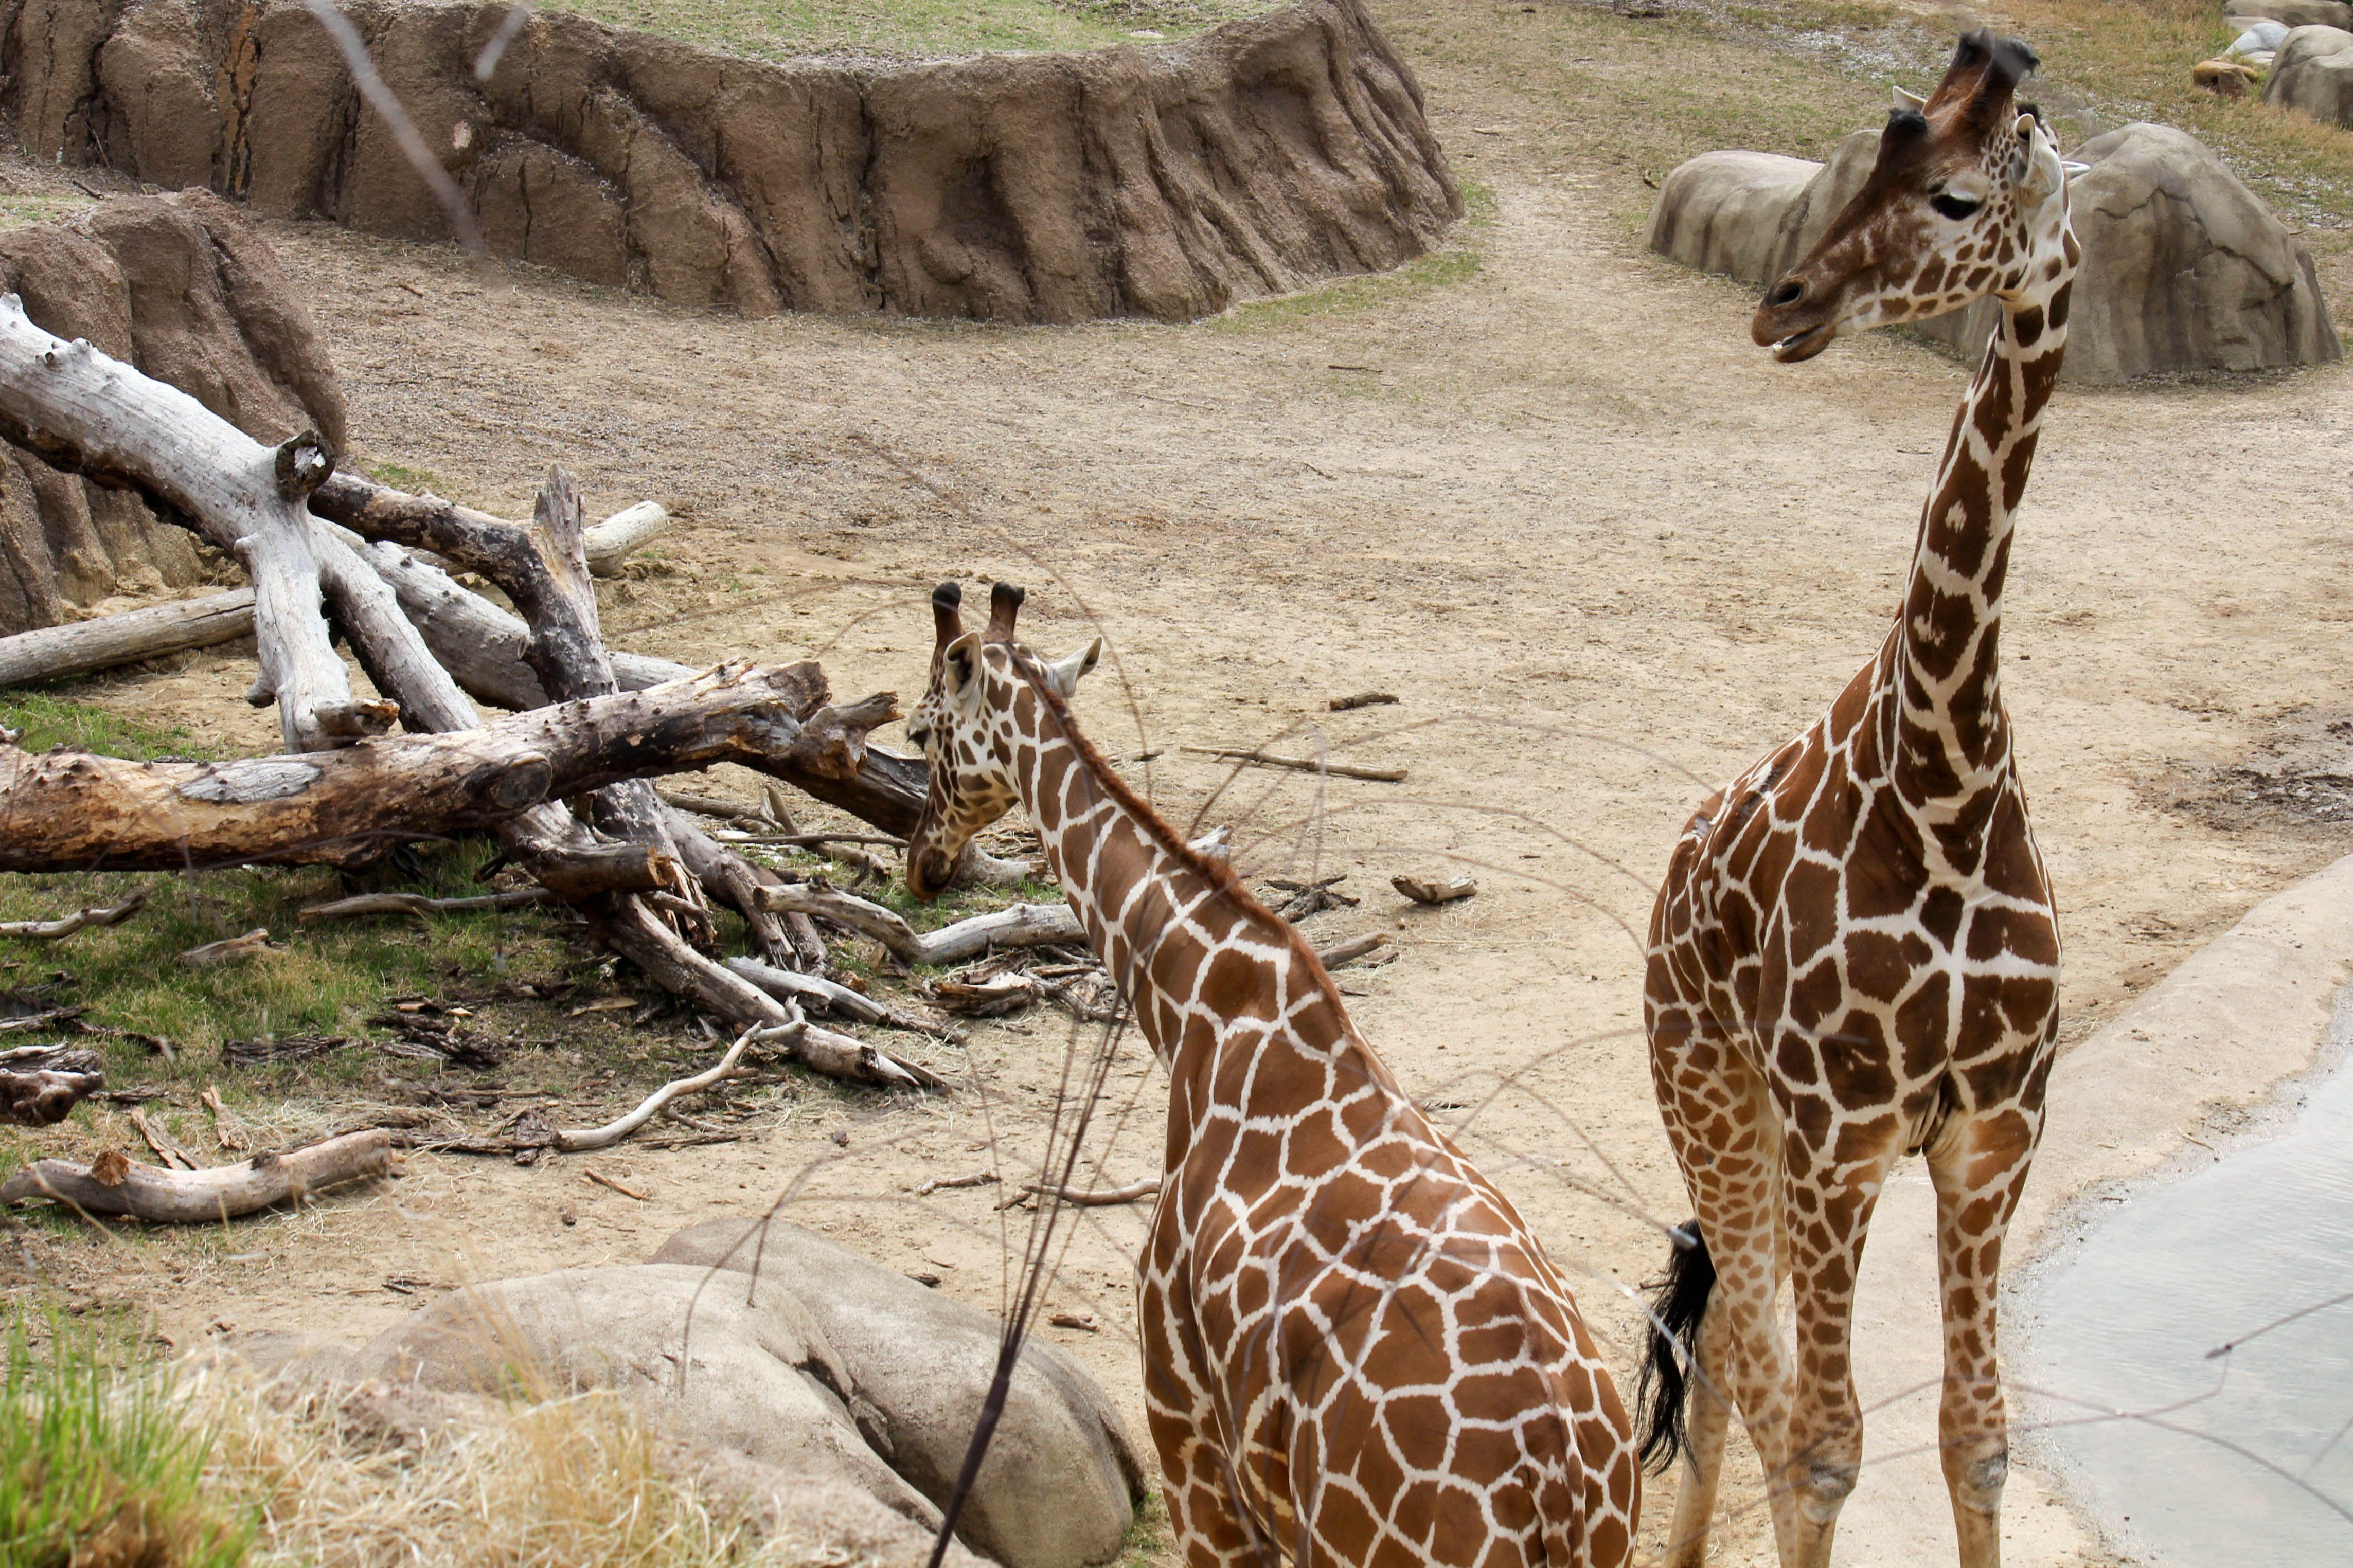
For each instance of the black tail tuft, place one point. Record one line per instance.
(1664, 1387)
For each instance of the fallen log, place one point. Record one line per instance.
(105, 642)
(484, 647)
(611, 542)
(97, 915)
(89, 412)
(113, 1185)
(40, 1084)
(479, 644)
(72, 811)
(1018, 925)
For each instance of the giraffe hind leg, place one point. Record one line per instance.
(1688, 1408)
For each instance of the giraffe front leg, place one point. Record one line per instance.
(1978, 1166)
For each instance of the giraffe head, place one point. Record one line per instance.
(1968, 197)
(979, 705)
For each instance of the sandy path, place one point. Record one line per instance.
(1569, 513)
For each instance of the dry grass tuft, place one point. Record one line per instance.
(576, 1482)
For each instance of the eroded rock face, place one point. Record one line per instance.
(921, 1363)
(1162, 182)
(182, 288)
(2313, 72)
(2184, 267)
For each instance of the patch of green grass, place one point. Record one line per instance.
(1148, 1543)
(48, 719)
(331, 979)
(100, 1462)
(1458, 263)
(781, 29)
(401, 476)
(24, 211)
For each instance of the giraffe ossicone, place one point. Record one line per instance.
(1854, 954)
(1354, 1352)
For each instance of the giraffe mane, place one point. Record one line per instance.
(1219, 873)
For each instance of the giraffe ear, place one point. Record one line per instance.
(1906, 99)
(960, 671)
(1064, 674)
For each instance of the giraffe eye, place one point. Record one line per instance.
(1952, 206)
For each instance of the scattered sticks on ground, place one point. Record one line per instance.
(1098, 1198)
(168, 1149)
(1018, 925)
(946, 1183)
(1259, 758)
(602, 1180)
(1433, 890)
(1362, 700)
(1310, 897)
(418, 904)
(1355, 948)
(280, 1048)
(81, 919)
(255, 944)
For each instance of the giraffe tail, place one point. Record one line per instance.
(1664, 1387)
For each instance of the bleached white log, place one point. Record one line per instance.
(68, 400)
(112, 1185)
(612, 542)
(55, 653)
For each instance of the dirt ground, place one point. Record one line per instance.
(1603, 549)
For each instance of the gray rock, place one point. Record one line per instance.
(2313, 73)
(1726, 212)
(737, 1367)
(2184, 267)
(2262, 38)
(2289, 14)
(1059, 1487)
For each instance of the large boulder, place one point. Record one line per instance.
(2184, 267)
(1733, 211)
(2245, 14)
(1265, 154)
(742, 1368)
(2313, 73)
(921, 1364)
(182, 288)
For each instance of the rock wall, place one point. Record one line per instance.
(183, 287)
(1162, 182)
(2184, 267)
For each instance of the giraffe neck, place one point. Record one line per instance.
(1161, 917)
(1947, 735)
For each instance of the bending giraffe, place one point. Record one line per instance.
(1354, 1351)
(1854, 955)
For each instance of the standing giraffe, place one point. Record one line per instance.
(1854, 955)
(1354, 1351)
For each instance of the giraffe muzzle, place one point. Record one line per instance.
(1806, 344)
